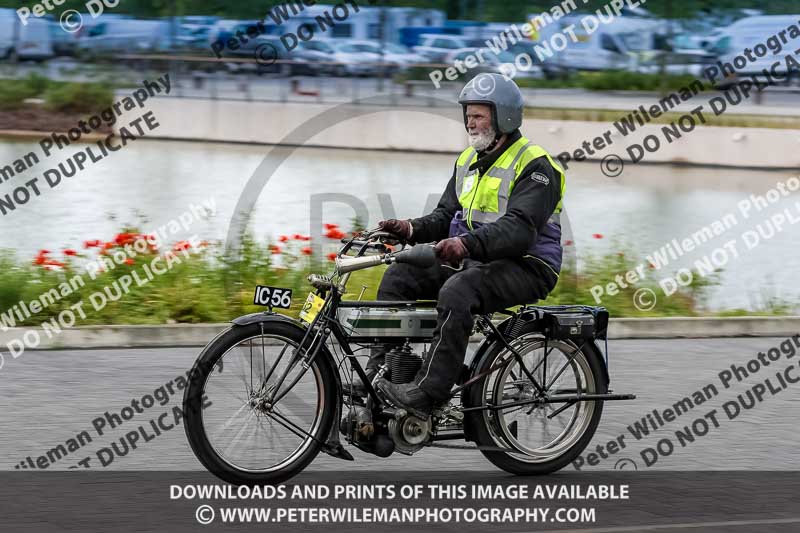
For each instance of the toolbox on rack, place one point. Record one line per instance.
(571, 322)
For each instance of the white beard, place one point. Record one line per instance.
(481, 141)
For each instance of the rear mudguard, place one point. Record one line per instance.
(482, 353)
(332, 445)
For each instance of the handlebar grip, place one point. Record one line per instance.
(421, 255)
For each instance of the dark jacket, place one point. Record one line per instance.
(529, 207)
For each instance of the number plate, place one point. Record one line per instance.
(273, 297)
(311, 308)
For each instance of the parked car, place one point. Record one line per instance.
(64, 43)
(192, 38)
(547, 69)
(31, 41)
(317, 54)
(123, 35)
(434, 47)
(398, 56)
(353, 60)
(492, 63)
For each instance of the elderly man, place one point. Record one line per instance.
(498, 218)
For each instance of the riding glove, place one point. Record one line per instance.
(451, 250)
(401, 228)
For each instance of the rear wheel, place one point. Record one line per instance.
(232, 428)
(545, 437)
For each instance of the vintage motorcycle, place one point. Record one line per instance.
(271, 392)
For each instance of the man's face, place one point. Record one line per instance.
(479, 126)
(479, 119)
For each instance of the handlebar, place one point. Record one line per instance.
(422, 255)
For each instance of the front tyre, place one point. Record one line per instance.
(231, 427)
(545, 437)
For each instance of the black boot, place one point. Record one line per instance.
(407, 396)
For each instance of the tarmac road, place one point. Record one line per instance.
(50, 397)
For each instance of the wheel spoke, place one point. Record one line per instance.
(543, 431)
(238, 424)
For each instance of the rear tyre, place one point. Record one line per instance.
(543, 438)
(231, 430)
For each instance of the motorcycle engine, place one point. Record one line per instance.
(403, 364)
(357, 424)
(409, 433)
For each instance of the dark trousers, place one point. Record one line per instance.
(478, 289)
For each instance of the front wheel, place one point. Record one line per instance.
(234, 429)
(544, 437)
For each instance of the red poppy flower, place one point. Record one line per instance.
(306, 250)
(92, 244)
(305, 237)
(109, 245)
(335, 234)
(331, 226)
(181, 245)
(130, 261)
(275, 249)
(52, 263)
(125, 238)
(597, 235)
(283, 238)
(568, 243)
(332, 256)
(41, 257)
(70, 252)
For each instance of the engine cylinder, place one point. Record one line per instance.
(403, 364)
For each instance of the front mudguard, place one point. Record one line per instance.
(484, 349)
(332, 446)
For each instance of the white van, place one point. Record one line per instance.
(617, 45)
(746, 33)
(24, 41)
(121, 34)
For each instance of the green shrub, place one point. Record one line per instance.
(14, 92)
(37, 83)
(78, 97)
(623, 80)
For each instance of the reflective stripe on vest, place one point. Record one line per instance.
(484, 198)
